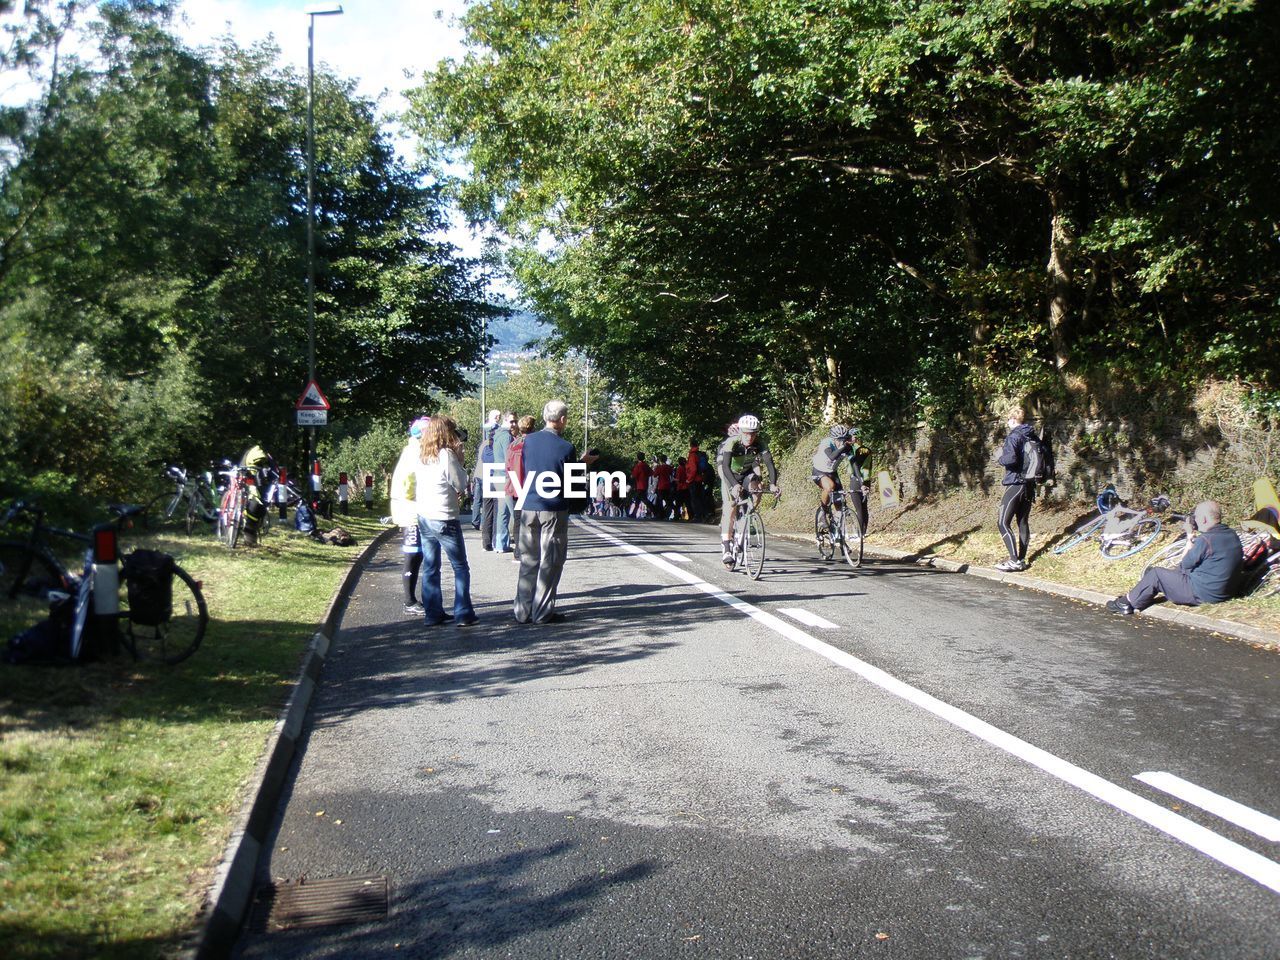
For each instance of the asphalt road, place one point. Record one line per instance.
(692, 765)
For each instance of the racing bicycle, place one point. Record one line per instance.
(748, 542)
(840, 528)
(1121, 531)
(157, 607)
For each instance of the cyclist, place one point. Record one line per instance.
(841, 444)
(740, 456)
(1019, 489)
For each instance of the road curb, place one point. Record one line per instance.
(232, 886)
(1187, 618)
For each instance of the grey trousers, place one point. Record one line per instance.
(544, 543)
(1174, 584)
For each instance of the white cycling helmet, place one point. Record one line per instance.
(839, 431)
(748, 424)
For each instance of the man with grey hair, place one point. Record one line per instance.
(1207, 574)
(544, 517)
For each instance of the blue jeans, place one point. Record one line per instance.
(502, 524)
(446, 535)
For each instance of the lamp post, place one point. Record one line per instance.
(586, 405)
(315, 10)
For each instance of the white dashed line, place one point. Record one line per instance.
(810, 619)
(676, 557)
(1227, 852)
(1255, 822)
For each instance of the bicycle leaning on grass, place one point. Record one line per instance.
(157, 608)
(1121, 531)
(192, 496)
(839, 528)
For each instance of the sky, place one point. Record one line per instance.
(385, 45)
(374, 41)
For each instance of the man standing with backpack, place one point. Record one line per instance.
(1027, 460)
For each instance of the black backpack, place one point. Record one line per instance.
(1036, 460)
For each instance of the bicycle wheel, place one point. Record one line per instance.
(176, 637)
(235, 523)
(822, 532)
(1080, 536)
(1170, 554)
(1268, 584)
(851, 538)
(1138, 536)
(753, 554)
(26, 578)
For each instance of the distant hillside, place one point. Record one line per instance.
(516, 331)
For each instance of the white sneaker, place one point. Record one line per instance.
(1007, 566)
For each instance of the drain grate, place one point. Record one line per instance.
(319, 903)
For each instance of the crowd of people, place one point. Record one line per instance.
(427, 489)
(431, 483)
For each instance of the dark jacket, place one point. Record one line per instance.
(1011, 456)
(545, 451)
(1213, 563)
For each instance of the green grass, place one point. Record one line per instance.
(119, 781)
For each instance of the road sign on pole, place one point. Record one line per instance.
(312, 418)
(312, 398)
(312, 407)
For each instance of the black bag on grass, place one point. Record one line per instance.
(148, 575)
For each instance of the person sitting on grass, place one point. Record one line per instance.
(1207, 574)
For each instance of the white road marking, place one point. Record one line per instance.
(677, 557)
(812, 619)
(1227, 852)
(1252, 820)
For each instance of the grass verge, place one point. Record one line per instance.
(962, 527)
(118, 781)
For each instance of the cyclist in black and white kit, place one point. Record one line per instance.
(842, 444)
(740, 457)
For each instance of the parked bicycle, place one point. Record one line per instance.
(839, 529)
(157, 607)
(748, 531)
(192, 497)
(1121, 531)
(232, 510)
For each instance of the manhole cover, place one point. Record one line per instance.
(318, 903)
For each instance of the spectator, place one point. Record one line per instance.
(440, 480)
(639, 486)
(544, 520)
(486, 436)
(1207, 574)
(662, 499)
(1019, 490)
(681, 481)
(502, 438)
(485, 508)
(515, 472)
(404, 514)
(706, 479)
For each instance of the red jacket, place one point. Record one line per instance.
(663, 472)
(514, 465)
(640, 476)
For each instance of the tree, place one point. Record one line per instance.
(875, 206)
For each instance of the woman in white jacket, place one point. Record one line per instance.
(439, 484)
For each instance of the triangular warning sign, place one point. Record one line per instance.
(312, 398)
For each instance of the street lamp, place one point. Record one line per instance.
(313, 11)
